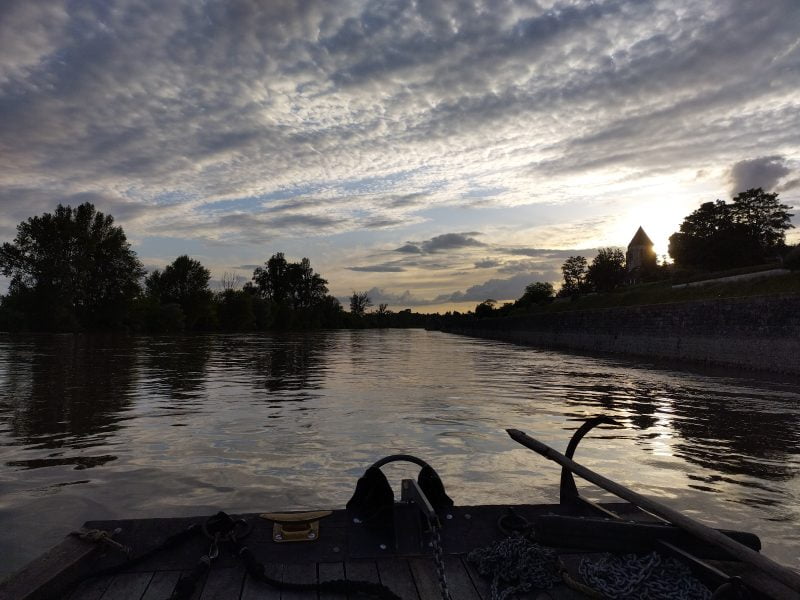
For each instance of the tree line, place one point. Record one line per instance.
(748, 231)
(74, 270)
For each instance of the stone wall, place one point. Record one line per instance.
(761, 333)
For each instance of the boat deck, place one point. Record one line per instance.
(411, 579)
(342, 550)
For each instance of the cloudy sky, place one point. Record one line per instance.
(436, 152)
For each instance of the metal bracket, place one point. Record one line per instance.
(296, 527)
(568, 490)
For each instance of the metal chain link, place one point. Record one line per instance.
(649, 576)
(516, 565)
(436, 542)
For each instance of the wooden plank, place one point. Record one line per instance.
(46, 572)
(482, 584)
(330, 572)
(256, 590)
(223, 584)
(162, 585)
(92, 589)
(361, 570)
(458, 580)
(396, 575)
(425, 578)
(299, 573)
(128, 586)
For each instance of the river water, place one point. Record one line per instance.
(95, 427)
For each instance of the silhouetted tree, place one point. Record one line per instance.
(359, 303)
(536, 293)
(71, 269)
(607, 271)
(185, 283)
(485, 308)
(719, 235)
(766, 219)
(292, 284)
(574, 271)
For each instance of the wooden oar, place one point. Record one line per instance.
(707, 534)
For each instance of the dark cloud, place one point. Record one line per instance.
(450, 241)
(764, 172)
(546, 253)
(487, 263)
(497, 289)
(384, 268)
(409, 248)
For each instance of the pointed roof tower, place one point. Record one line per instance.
(640, 239)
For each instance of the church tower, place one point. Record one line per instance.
(640, 255)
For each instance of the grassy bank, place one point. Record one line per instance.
(664, 293)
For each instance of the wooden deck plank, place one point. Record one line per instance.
(223, 584)
(458, 580)
(93, 589)
(256, 590)
(482, 584)
(128, 586)
(330, 572)
(162, 585)
(424, 573)
(396, 575)
(299, 573)
(361, 570)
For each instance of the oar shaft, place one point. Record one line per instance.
(703, 532)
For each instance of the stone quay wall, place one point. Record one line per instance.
(759, 333)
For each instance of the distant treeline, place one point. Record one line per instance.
(74, 270)
(731, 238)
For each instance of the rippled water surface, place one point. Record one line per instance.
(113, 427)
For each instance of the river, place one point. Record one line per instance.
(96, 427)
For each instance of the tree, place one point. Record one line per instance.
(719, 235)
(359, 303)
(764, 216)
(71, 269)
(574, 270)
(607, 271)
(185, 283)
(291, 284)
(485, 309)
(536, 293)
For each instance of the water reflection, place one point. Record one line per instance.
(65, 391)
(246, 423)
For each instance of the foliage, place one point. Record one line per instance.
(485, 309)
(185, 283)
(607, 271)
(792, 259)
(536, 293)
(359, 303)
(235, 310)
(719, 235)
(574, 271)
(73, 268)
(292, 284)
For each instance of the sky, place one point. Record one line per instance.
(435, 153)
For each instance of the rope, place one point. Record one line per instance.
(100, 536)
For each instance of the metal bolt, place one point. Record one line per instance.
(356, 520)
(449, 517)
(336, 549)
(467, 516)
(311, 535)
(278, 537)
(382, 546)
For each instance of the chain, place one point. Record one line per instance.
(516, 565)
(436, 542)
(650, 576)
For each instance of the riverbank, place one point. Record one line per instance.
(754, 333)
